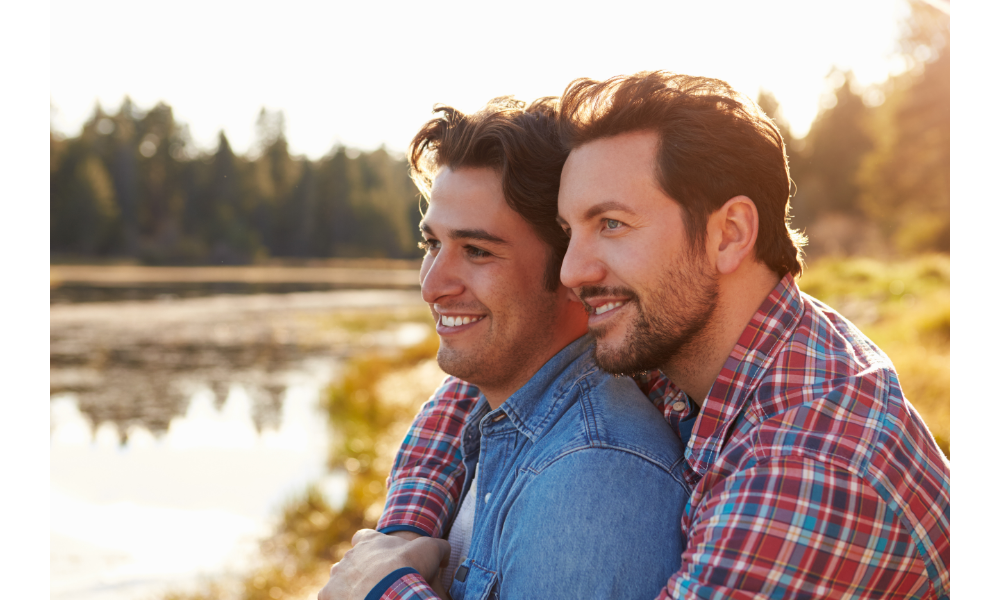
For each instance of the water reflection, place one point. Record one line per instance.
(180, 427)
(133, 518)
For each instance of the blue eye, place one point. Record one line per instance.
(613, 224)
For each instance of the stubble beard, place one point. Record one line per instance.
(669, 321)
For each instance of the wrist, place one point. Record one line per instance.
(387, 581)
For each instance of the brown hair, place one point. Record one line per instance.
(522, 144)
(714, 144)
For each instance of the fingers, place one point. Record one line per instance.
(362, 535)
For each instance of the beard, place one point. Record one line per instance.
(669, 319)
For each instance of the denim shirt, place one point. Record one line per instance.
(580, 489)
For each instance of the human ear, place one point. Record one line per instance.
(732, 233)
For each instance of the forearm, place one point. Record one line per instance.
(427, 475)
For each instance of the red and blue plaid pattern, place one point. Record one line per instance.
(812, 474)
(428, 473)
(409, 587)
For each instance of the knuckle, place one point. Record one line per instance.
(360, 536)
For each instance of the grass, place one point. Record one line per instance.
(904, 307)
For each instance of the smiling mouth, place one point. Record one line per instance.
(457, 321)
(600, 310)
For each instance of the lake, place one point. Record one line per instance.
(179, 425)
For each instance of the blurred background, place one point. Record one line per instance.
(237, 342)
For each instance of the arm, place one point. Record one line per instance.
(596, 523)
(427, 475)
(795, 527)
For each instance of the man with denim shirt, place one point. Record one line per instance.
(812, 474)
(575, 484)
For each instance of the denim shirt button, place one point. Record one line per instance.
(499, 418)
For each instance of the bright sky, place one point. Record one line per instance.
(367, 73)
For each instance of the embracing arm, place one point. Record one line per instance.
(427, 475)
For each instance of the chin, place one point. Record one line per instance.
(627, 354)
(613, 358)
(456, 363)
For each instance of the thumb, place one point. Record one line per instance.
(445, 558)
(428, 554)
(436, 545)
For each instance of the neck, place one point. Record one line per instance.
(696, 366)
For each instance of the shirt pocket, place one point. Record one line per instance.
(479, 583)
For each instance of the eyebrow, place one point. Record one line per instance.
(604, 207)
(468, 234)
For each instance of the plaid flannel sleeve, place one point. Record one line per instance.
(795, 528)
(409, 587)
(427, 475)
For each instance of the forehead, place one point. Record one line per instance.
(619, 169)
(472, 198)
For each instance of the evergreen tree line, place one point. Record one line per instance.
(128, 186)
(873, 170)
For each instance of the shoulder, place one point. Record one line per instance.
(611, 415)
(828, 394)
(831, 394)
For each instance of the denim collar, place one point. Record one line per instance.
(532, 408)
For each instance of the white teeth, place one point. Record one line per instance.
(600, 310)
(456, 321)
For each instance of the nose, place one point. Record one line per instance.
(439, 278)
(582, 265)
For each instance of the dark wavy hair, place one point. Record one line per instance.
(520, 143)
(714, 144)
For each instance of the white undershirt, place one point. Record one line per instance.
(460, 536)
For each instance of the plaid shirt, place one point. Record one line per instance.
(812, 474)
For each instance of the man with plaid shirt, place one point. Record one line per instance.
(812, 474)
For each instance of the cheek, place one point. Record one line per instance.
(619, 257)
(640, 259)
(425, 266)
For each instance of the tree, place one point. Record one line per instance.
(833, 149)
(905, 180)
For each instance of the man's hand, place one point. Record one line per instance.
(374, 556)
